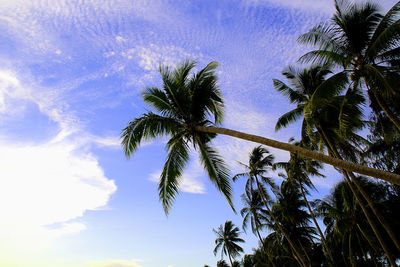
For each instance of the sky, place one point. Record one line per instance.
(71, 73)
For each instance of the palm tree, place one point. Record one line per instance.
(347, 232)
(253, 212)
(260, 161)
(289, 211)
(326, 112)
(298, 171)
(227, 239)
(184, 107)
(364, 43)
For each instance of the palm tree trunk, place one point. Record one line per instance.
(370, 220)
(324, 245)
(349, 166)
(299, 257)
(385, 108)
(377, 213)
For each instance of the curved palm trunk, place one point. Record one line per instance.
(346, 165)
(360, 202)
(299, 257)
(325, 246)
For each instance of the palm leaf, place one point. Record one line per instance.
(147, 127)
(172, 172)
(216, 169)
(289, 117)
(159, 100)
(389, 19)
(389, 38)
(206, 96)
(375, 77)
(293, 95)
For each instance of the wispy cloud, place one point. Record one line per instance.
(325, 6)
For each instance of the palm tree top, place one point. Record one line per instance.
(227, 239)
(183, 102)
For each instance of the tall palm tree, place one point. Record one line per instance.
(227, 240)
(326, 112)
(288, 211)
(189, 109)
(364, 43)
(260, 161)
(298, 171)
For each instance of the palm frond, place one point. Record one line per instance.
(293, 95)
(159, 100)
(206, 96)
(390, 18)
(240, 175)
(289, 117)
(378, 81)
(147, 127)
(172, 172)
(216, 169)
(388, 39)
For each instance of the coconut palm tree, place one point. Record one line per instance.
(188, 110)
(260, 162)
(227, 240)
(298, 171)
(288, 211)
(364, 43)
(336, 119)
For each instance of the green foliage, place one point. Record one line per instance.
(183, 102)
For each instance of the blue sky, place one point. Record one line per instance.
(71, 72)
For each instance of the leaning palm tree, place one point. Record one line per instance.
(365, 43)
(189, 109)
(227, 240)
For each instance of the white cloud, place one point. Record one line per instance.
(45, 185)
